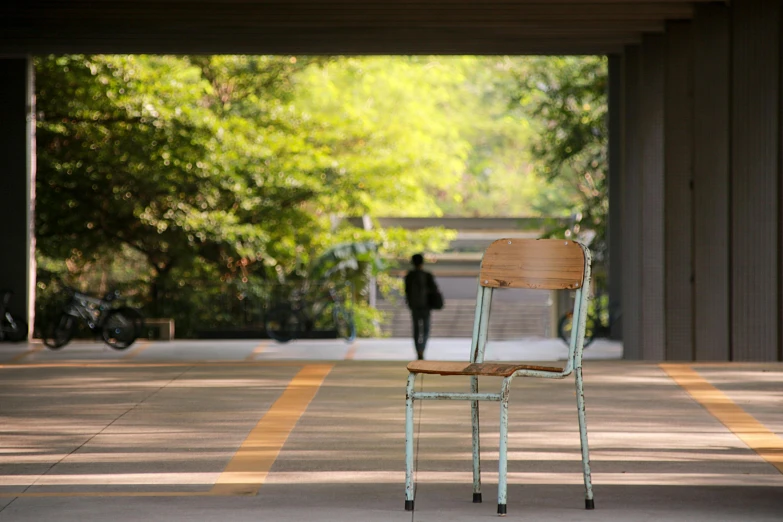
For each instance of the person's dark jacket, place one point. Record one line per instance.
(418, 286)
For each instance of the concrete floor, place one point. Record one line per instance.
(248, 430)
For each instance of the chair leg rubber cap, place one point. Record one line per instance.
(502, 510)
(408, 505)
(589, 503)
(477, 498)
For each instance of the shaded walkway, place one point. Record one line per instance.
(88, 434)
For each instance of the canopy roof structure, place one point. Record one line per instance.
(333, 27)
(695, 114)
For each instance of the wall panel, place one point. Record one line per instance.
(615, 192)
(16, 182)
(653, 51)
(631, 205)
(678, 147)
(711, 208)
(755, 128)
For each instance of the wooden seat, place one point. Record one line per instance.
(548, 264)
(483, 369)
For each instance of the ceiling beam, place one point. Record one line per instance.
(324, 27)
(402, 42)
(301, 14)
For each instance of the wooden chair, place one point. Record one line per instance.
(511, 263)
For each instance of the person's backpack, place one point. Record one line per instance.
(435, 299)
(423, 292)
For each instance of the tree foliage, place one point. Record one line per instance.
(212, 171)
(567, 98)
(192, 181)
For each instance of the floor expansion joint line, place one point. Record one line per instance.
(93, 436)
(20, 357)
(156, 364)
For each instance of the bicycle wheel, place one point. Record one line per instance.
(566, 324)
(119, 330)
(283, 323)
(60, 333)
(135, 316)
(346, 327)
(16, 331)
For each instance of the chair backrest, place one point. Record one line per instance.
(547, 264)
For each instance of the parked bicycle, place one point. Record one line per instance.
(119, 327)
(302, 314)
(12, 329)
(598, 324)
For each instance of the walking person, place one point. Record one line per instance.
(422, 296)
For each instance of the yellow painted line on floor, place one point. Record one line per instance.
(249, 467)
(141, 346)
(22, 356)
(349, 355)
(258, 350)
(767, 444)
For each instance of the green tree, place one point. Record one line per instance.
(388, 122)
(567, 97)
(147, 152)
(209, 170)
(106, 140)
(495, 178)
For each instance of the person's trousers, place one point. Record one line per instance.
(421, 330)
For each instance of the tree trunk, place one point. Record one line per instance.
(158, 288)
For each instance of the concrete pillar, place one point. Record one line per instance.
(614, 234)
(651, 129)
(17, 176)
(678, 144)
(702, 186)
(631, 205)
(754, 180)
(780, 183)
(711, 209)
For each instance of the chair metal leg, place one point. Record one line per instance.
(503, 453)
(580, 403)
(474, 410)
(409, 442)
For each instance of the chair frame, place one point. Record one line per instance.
(477, 367)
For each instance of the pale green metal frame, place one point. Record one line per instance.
(478, 346)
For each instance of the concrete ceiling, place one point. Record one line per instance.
(332, 27)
